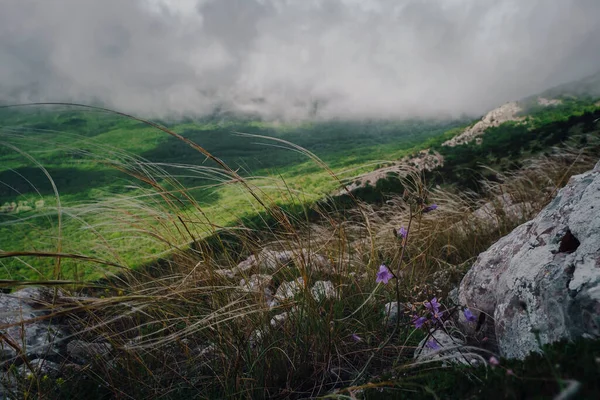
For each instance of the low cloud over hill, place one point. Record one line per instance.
(295, 58)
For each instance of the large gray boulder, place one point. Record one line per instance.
(541, 283)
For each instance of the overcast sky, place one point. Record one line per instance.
(354, 58)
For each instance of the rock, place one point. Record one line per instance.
(242, 267)
(312, 261)
(441, 345)
(278, 320)
(506, 112)
(40, 368)
(270, 260)
(245, 265)
(133, 343)
(453, 297)
(424, 160)
(225, 273)
(21, 316)
(323, 290)
(548, 102)
(208, 351)
(85, 352)
(390, 312)
(518, 211)
(256, 338)
(541, 283)
(259, 283)
(449, 275)
(256, 283)
(289, 290)
(359, 277)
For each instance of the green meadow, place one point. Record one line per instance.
(77, 181)
(80, 181)
(84, 201)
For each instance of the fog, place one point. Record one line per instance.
(294, 59)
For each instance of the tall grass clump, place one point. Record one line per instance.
(288, 304)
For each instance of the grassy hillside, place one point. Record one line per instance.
(96, 169)
(78, 181)
(187, 330)
(502, 148)
(192, 325)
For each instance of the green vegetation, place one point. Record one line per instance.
(182, 330)
(95, 161)
(178, 327)
(505, 146)
(502, 148)
(95, 158)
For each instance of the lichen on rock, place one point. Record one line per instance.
(541, 283)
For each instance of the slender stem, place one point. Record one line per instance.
(397, 326)
(404, 244)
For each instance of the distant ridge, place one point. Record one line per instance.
(588, 86)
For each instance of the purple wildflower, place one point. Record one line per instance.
(469, 315)
(402, 232)
(384, 274)
(494, 361)
(418, 321)
(430, 208)
(356, 338)
(433, 305)
(432, 344)
(437, 315)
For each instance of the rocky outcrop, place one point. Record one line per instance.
(27, 330)
(541, 283)
(428, 160)
(270, 261)
(542, 101)
(504, 113)
(31, 331)
(424, 160)
(35, 342)
(390, 311)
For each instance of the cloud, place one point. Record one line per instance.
(294, 58)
